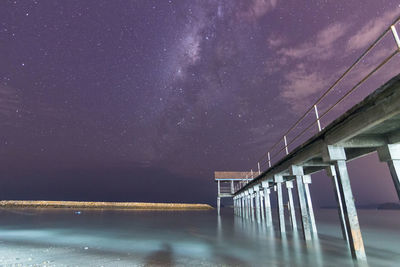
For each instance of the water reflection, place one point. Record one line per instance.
(161, 257)
(180, 239)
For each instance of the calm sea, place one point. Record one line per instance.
(50, 237)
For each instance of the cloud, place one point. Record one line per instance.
(275, 41)
(371, 31)
(256, 9)
(322, 47)
(300, 84)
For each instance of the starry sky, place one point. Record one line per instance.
(143, 100)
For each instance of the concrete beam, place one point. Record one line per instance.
(333, 153)
(313, 169)
(355, 153)
(363, 141)
(315, 162)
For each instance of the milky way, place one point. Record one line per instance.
(137, 100)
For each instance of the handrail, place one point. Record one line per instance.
(391, 27)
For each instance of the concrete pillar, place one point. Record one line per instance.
(332, 173)
(246, 204)
(281, 212)
(256, 189)
(219, 205)
(307, 181)
(232, 187)
(391, 154)
(234, 205)
(242, 208)
(251, 195)
(297, 171)
(337, 156)
(267, 202)
(218, 197)
(262, 205)
(289, 186)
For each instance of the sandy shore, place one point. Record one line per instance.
(101, 205)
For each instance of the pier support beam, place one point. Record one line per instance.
(307, 181)
(246, 204)
(337, 156)
(251, 196)
(256, 189)
(289, 186)
(298, 172)
(262, 204)
(391, 154)
(281, 212)
(240, 205)
(218, 205)
(332, 173)
(234, 205)
(218, 198)
(267, 202)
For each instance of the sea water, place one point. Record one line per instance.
(65, 237)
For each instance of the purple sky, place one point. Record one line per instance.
(143, 100)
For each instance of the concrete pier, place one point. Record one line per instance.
(307, 181)
(297, 171)
(370, 126)
(257, 202)
(337, 156)
(332, 173)
(262, 205)
(289, 186)
(278, 179)
(268, 212)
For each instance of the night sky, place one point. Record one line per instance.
(144, 100)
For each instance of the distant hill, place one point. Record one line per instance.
(389, 206)
(381, 206)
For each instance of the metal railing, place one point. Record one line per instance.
(266, 158)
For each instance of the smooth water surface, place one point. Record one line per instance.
(61, 237)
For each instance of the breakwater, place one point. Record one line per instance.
(101, 205)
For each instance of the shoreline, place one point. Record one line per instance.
(101, 205)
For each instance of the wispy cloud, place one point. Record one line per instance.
(322, 47)
(301, 83)
(371, 30)
(257, 8)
